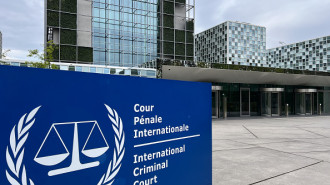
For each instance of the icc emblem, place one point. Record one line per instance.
(17, 172)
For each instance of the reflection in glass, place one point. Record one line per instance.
(245, 102)
(275, 103)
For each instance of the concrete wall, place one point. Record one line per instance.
(84, 23)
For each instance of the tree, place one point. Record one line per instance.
(5, 54)
(45, 58)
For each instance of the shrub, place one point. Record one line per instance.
(68, 53)
(52, 18)
(53, 4)
(179, 49)
(68, 37)
(190, 37)
(169, 48)
(190, 50)
(190, 25)
(168, 34)
(85, 54)
(69, 6)
(168, 7)
(180, 1)
(68, 21)
(168, 21)
(179, 36)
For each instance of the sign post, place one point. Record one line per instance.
(60, 127)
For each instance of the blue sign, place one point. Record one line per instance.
(61, 127)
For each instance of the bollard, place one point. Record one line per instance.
(224, 107)
(287, 110)
(320, 109)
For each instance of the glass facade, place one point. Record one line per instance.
(246, 44)
(313, 55)
(101, 69)
(124, 33)
(232, 43)
(270, 100)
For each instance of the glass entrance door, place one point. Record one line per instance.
(266, 104)
(215, 104)
(308, 104)
(275, 104)
(300, 103)
(245, 102)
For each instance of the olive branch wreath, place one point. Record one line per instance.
(19, 135)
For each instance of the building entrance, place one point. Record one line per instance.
(245, 101)
(306, 101)
(216, 103)
(271, 101)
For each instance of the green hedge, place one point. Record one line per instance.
(169, 48)
(68, 37)
(56, 53)
(190, 58)
(179, 36)
(134, 72)
(68, 53)
(68, 21)
(169, 21)
(179, 49)
(190, 37)
(72, 68)
(112, 71)
(190, 25)
(52, 18)
(190, 50)
(168, 7)
(180, 58)
(180, 1)
(168, 34)
(69, 6)
(85, 54)
(53, 4)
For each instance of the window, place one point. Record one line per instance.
(106, 71)
(85, 69)
(99, 70)
(65, 68)
(78, 68)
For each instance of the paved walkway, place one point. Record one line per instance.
(272, 151)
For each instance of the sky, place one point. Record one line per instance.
(287, 21)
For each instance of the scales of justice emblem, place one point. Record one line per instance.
(76, 164)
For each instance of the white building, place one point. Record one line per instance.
(232, 43)
(313, 55)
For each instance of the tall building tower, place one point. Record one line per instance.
(0, 45)
(232, 43)
(120, 32)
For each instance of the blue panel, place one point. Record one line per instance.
(95, 128)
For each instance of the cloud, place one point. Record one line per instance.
(22, 26)
(19, 55)
(22, 21)
(286, 21)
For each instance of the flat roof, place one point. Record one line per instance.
(238, 76)
(238, 22)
